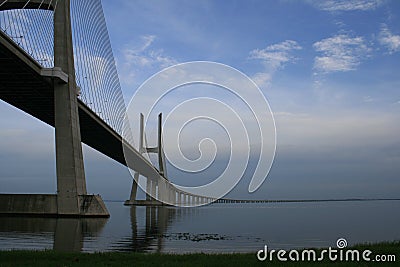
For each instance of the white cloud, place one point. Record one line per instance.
(143, 56)
(273, 58)
(346, 5)
(368, 99)
(390, 41)
(134, 60)
(340, 53)
(262, 78)
(277, 54)
(148, 40)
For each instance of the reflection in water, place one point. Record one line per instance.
(46, 233)
(155, 229)
(68, 234)
(150, 237)
(217, 228)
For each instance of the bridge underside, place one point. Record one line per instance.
(23, 4)
(24, 87)
(24, 84)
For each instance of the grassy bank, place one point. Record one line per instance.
(51, 258)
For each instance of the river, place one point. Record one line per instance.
(214, 228)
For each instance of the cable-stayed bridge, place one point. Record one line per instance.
(56, 64)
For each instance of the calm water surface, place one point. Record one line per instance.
(214, 228)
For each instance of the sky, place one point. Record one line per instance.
(329, 70)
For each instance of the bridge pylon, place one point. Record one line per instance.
(152, 186)
(71, 199)
(71, 183)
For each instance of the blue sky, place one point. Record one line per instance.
(329, 69)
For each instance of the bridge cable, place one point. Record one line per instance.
(95, 68)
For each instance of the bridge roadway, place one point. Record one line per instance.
(25, 84)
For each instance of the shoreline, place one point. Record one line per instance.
(53, 258)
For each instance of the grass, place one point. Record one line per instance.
(52, 258)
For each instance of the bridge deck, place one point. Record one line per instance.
(23, 86)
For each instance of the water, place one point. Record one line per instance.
(213, 229)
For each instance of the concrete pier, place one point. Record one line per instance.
(72, 196)
(71, 199)
(47, 206)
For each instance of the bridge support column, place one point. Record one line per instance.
(163, 191)
(183, 199)
(172, 196)
(71, 183)
(148, 189)
(153, 189)
(134, 187)
(179, 198)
